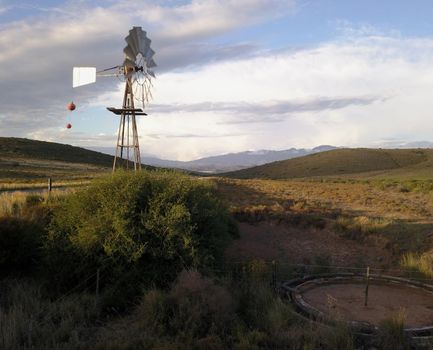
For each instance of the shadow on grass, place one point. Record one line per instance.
(254, 206)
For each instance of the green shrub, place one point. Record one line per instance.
(195, 308)
(140, 228)
(202, 313)
(196, 313)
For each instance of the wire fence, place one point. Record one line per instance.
(271, 272)
(244, 274)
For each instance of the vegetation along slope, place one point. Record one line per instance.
(24, 159)
(413, 163)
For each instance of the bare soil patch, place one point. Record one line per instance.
(270, 241)
(346, 302)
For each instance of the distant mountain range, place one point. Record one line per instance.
(24, 158)
(230, 161)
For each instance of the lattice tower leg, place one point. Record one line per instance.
(127, 136)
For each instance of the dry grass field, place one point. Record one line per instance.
(345, 223)
(349, 163)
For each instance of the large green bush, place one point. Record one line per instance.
(138, 228)
(202, 313)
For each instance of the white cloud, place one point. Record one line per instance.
(204, 18)
(356, 90)
(39, 52)
(392, 76)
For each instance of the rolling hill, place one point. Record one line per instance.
(24, 159)
(18, 148)
(30, 159)
(363, 162)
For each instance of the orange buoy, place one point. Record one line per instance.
(71, 106)
(68, 126)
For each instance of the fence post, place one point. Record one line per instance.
(50, 183)
(274, 276)
(367, 281)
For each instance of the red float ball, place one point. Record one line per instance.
(71, 106)
(68, 126)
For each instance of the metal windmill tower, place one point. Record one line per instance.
(137, 73)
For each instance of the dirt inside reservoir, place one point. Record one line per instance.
(346, 302)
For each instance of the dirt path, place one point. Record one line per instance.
(303, 246)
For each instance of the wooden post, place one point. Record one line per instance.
(367, 282)
(50, 184)
(274, 275)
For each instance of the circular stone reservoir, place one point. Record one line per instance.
(341, 297)
(346, 302)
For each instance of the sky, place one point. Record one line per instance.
(232, 75)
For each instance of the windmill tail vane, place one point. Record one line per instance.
(137, 73)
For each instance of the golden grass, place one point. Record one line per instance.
(362, 224)
(357, 210)
(13, 203)
(9, 186)
(356, 199)
(419, 263)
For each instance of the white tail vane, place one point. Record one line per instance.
(83, 76)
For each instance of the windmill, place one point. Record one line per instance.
(137, 73)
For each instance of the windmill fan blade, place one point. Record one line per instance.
(131, 44)
(146, 45)
(129, 53)
(83, 76)
(149, 54)
(151, 64)
(141, 39)
(134, 36)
